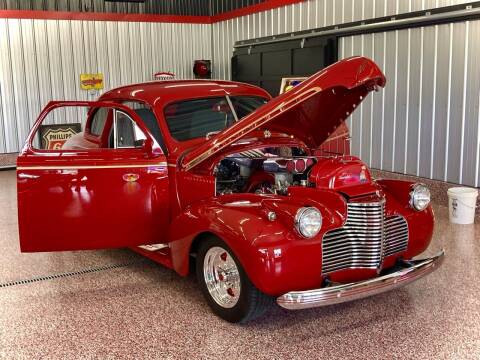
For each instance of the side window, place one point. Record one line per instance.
(62, 129)
(126, 133)
(98, 121)
(60, 126)
(145, 112)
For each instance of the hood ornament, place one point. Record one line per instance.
(363, 174)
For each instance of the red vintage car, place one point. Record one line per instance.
(218, 177)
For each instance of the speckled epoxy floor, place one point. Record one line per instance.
(146, 311)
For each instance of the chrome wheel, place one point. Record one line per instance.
(221, 277)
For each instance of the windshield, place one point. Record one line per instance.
(201, 117)
(244, 105)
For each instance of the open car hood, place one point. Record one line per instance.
(309, 112)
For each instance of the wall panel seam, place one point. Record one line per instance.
(464, 101)
(434, 101)
(449, 93)
(420, 100)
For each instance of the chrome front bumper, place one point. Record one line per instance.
(410, 270)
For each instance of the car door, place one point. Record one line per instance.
(106, 187)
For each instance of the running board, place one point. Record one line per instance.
(159, 253)
(153, 247)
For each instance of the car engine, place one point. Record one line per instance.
(263, 172)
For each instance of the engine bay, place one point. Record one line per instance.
(263, 171)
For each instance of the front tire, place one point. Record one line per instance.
(225, 285)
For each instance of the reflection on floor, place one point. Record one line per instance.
(145, 311)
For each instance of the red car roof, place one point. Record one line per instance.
(162, 92)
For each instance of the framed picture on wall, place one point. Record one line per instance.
(289, 83)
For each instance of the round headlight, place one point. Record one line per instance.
(419, 197)
(308, 221)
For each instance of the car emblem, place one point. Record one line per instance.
(131, 177)
(267, 134)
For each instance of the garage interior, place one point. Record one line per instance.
(423, 126)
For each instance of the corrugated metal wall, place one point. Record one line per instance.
(41, 60)
(305, 15)
(166, 7)
(426, 121)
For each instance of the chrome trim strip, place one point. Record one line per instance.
(231, 107)
(340, 293)
(53, 167)
(242, 203)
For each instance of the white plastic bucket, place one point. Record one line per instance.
(461, 204)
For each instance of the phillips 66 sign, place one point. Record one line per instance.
(52, 137)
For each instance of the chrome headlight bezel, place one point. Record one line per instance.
(305, 214)
(420, 197)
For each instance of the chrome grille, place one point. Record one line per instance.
(365, 239)
(396, 235)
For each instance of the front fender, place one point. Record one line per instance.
(271, 252)
(420, 223)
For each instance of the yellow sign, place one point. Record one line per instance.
(91, 81)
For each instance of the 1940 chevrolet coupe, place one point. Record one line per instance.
(217, 176)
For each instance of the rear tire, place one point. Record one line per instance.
(225, 285)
